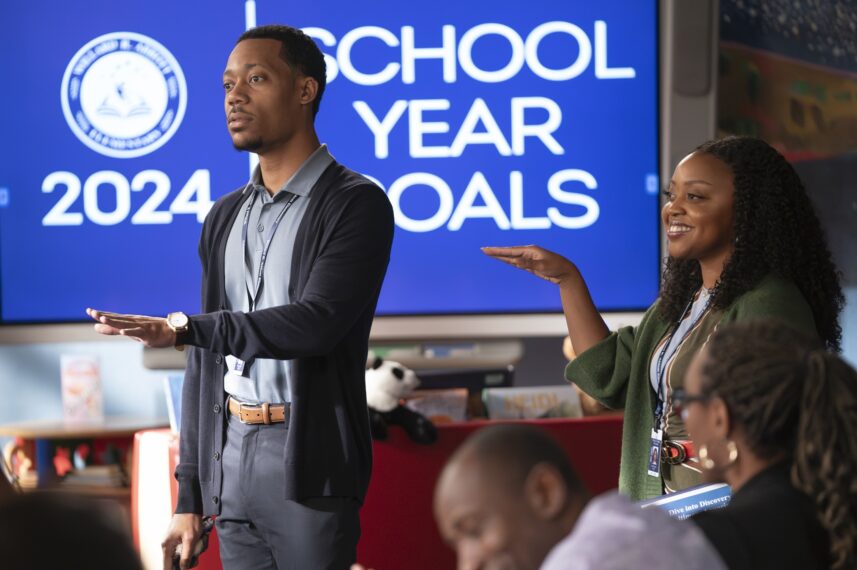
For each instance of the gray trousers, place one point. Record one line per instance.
(259, 529)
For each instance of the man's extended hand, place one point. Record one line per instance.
(184, 530)
(151, 331)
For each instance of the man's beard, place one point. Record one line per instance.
(251, 145)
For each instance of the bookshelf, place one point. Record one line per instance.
(44, 437)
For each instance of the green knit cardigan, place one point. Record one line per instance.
(616, 370)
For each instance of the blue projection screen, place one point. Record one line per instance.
(487, 123)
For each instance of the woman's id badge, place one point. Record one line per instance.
(655, 452)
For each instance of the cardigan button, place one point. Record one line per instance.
(219, 359)
(216, 408)
(215, 499)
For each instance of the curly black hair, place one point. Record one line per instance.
(794, 399)
(776, 232)
(299, 51)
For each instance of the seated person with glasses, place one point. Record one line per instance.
(774, 415)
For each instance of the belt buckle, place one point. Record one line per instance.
(262, 409)
(241, 411)
(667, 454)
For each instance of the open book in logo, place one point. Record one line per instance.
(124, 102)
(123, 95)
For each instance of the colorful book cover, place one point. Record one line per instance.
(686, 503)
(531, 403)
(80, 379)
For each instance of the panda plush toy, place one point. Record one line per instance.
(387, 382)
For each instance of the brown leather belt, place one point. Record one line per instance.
(259, 413)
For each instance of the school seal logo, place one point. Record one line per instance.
(123, 95)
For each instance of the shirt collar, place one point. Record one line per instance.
(302, 180)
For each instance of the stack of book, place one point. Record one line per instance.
(94, 477)
(440, 406)
(27, 480)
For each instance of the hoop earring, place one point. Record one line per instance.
(707, 462)
(733, 452)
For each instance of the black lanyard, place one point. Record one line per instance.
(252, 297)
(660, 369)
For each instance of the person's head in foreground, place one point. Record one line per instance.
(45, 531)
(506, 497)
(761, 394)
(735, 206)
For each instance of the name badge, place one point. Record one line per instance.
(234, 365)
(655, 452)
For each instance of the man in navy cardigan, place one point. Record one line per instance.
(275, 432)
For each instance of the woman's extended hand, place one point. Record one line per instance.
(538, 261)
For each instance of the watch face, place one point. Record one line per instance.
(177, 320)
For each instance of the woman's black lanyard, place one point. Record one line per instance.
(253, 297)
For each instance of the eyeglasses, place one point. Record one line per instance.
(681, 400)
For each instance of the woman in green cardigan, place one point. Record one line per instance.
(744, 242)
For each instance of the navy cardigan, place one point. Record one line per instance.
(341, 253)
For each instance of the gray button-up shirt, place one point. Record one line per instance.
(613, 532)
(267, 380)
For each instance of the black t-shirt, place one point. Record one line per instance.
(768, 524)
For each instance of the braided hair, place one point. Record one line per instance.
(795, 399)
(776, 231)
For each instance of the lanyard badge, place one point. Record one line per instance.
(253, 296)
(235, 365)
(657, 438)
(655, 447)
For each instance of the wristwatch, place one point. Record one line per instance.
(178, 323)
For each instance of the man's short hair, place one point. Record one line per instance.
(299, 51)
(515, 449)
